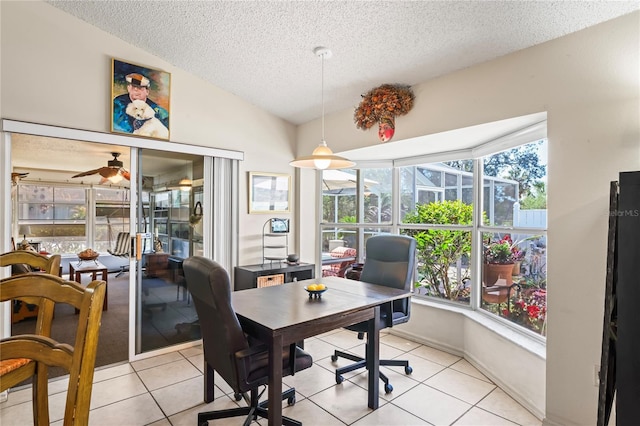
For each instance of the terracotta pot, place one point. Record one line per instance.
(493, 272)
(497, 275)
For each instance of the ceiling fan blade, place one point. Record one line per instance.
(125, 174)
(107, 172)
(114, 168)
(87, 173)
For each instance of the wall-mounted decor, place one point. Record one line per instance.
(269, 192)
(382, 105)
(141, 99)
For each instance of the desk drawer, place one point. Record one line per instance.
(270, 280)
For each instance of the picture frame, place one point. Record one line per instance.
(141, 98)
(269, 192)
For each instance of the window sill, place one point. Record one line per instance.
(535, 345)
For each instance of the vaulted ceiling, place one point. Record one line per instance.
(262, 51)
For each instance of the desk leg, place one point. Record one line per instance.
(208, 382)
(373, 358)
(275, 382)
(106, 290)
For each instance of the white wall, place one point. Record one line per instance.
(589, 84)
(488, 347)
(56, 69)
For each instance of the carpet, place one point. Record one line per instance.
(168, 318)
(113, 339)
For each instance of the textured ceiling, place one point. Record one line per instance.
(262, 51)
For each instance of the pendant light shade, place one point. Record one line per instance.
(322, 157)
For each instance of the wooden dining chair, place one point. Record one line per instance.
(14, 371)
(41, 351)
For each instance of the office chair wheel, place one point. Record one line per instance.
(408, 369)
(339, 379)
(334, 358)
(291, 400)
(388, 388)
(237, 396)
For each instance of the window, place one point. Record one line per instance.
(441, 223)
(436, 208)
(54, 216)
(111, 217)
(514, 275)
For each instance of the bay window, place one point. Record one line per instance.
(434, 203)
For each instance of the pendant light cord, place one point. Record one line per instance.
(322, 95)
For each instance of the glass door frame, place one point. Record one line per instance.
(142, 238)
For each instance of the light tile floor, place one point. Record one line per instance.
(443, 389)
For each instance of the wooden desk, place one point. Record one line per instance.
(284, 314)
(92, 267)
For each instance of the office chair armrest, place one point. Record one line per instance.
(292, 358)
(386, 310)
(249, 352)
(243, 359)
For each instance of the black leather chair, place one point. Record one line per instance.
(390, 261)
(240, 360)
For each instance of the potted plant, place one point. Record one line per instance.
(498, 262)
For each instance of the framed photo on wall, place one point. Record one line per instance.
(269, 192)
(141, 99)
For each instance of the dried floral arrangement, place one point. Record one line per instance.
(388, 100)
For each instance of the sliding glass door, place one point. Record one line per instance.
(162, 197)
(169, 229)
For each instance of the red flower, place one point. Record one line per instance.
(533, 311)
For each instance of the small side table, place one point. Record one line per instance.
(93, 268)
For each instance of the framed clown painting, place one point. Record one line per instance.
(141, 98)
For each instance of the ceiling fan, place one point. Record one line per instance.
(113, 172)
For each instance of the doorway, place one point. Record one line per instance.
(155, 209)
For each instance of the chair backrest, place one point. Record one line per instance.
(48, 264)
(390, 261)
(79, 359)
(34, 261)
(222, 334)
(123, 245)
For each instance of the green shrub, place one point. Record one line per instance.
(438, 249)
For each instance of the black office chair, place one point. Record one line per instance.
(390, 262)
(240, 360)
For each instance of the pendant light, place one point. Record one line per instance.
(322, 157)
